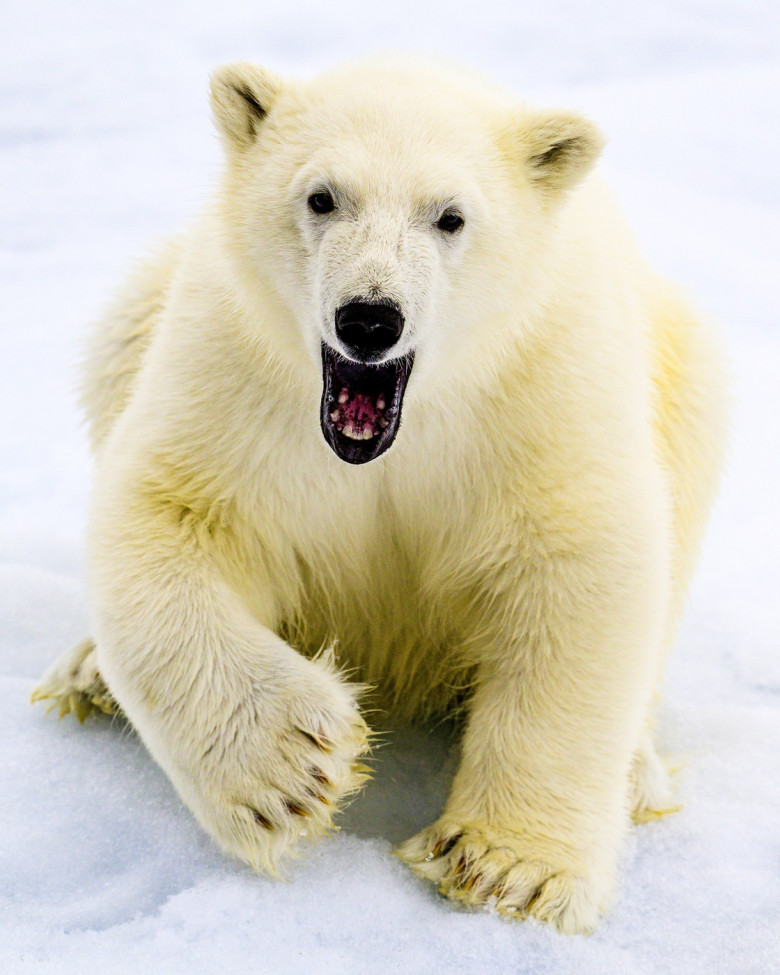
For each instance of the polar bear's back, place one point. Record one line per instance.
(690, 386)
(118, 341)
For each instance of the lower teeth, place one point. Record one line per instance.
(366, 434)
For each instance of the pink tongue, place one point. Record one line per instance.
(360, 410)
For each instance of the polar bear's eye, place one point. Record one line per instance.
(322, 202)
(450, 222)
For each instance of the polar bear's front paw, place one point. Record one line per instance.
(277, 775)
(485, 867)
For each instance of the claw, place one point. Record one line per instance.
(319, 797)
(650, 815)
(500, 890)
(262, 820)
(66, 705)
(471, 881)
(106, 705)
(530, 903)
(296, 809)
(320, 776)
(444, 846)
(459, 867)
(320, 741)
(83, 709)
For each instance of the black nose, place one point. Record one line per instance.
(368, 329)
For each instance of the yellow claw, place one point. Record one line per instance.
(651, 815)
(66, 705)
(83, 709)
(297, 810)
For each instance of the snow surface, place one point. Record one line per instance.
(105, 142)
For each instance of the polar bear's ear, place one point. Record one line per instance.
(242, 94)
(558, 148)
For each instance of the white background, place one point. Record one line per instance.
(106, 142)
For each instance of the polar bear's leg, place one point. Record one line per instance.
(260, 742)
(541, 801)
(73, 684)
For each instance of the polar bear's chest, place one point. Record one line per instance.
(372, 551)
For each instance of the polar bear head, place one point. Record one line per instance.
(395, 214)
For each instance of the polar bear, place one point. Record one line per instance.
(406, 388)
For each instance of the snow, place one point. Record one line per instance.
(105, 142)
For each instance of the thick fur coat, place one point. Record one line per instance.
(521, 548)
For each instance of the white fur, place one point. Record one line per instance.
(527, 538)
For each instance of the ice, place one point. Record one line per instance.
(105, 144)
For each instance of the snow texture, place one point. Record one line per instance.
(105, 142)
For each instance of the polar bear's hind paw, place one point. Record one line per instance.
(73, 685)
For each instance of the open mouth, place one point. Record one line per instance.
(361, 405)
